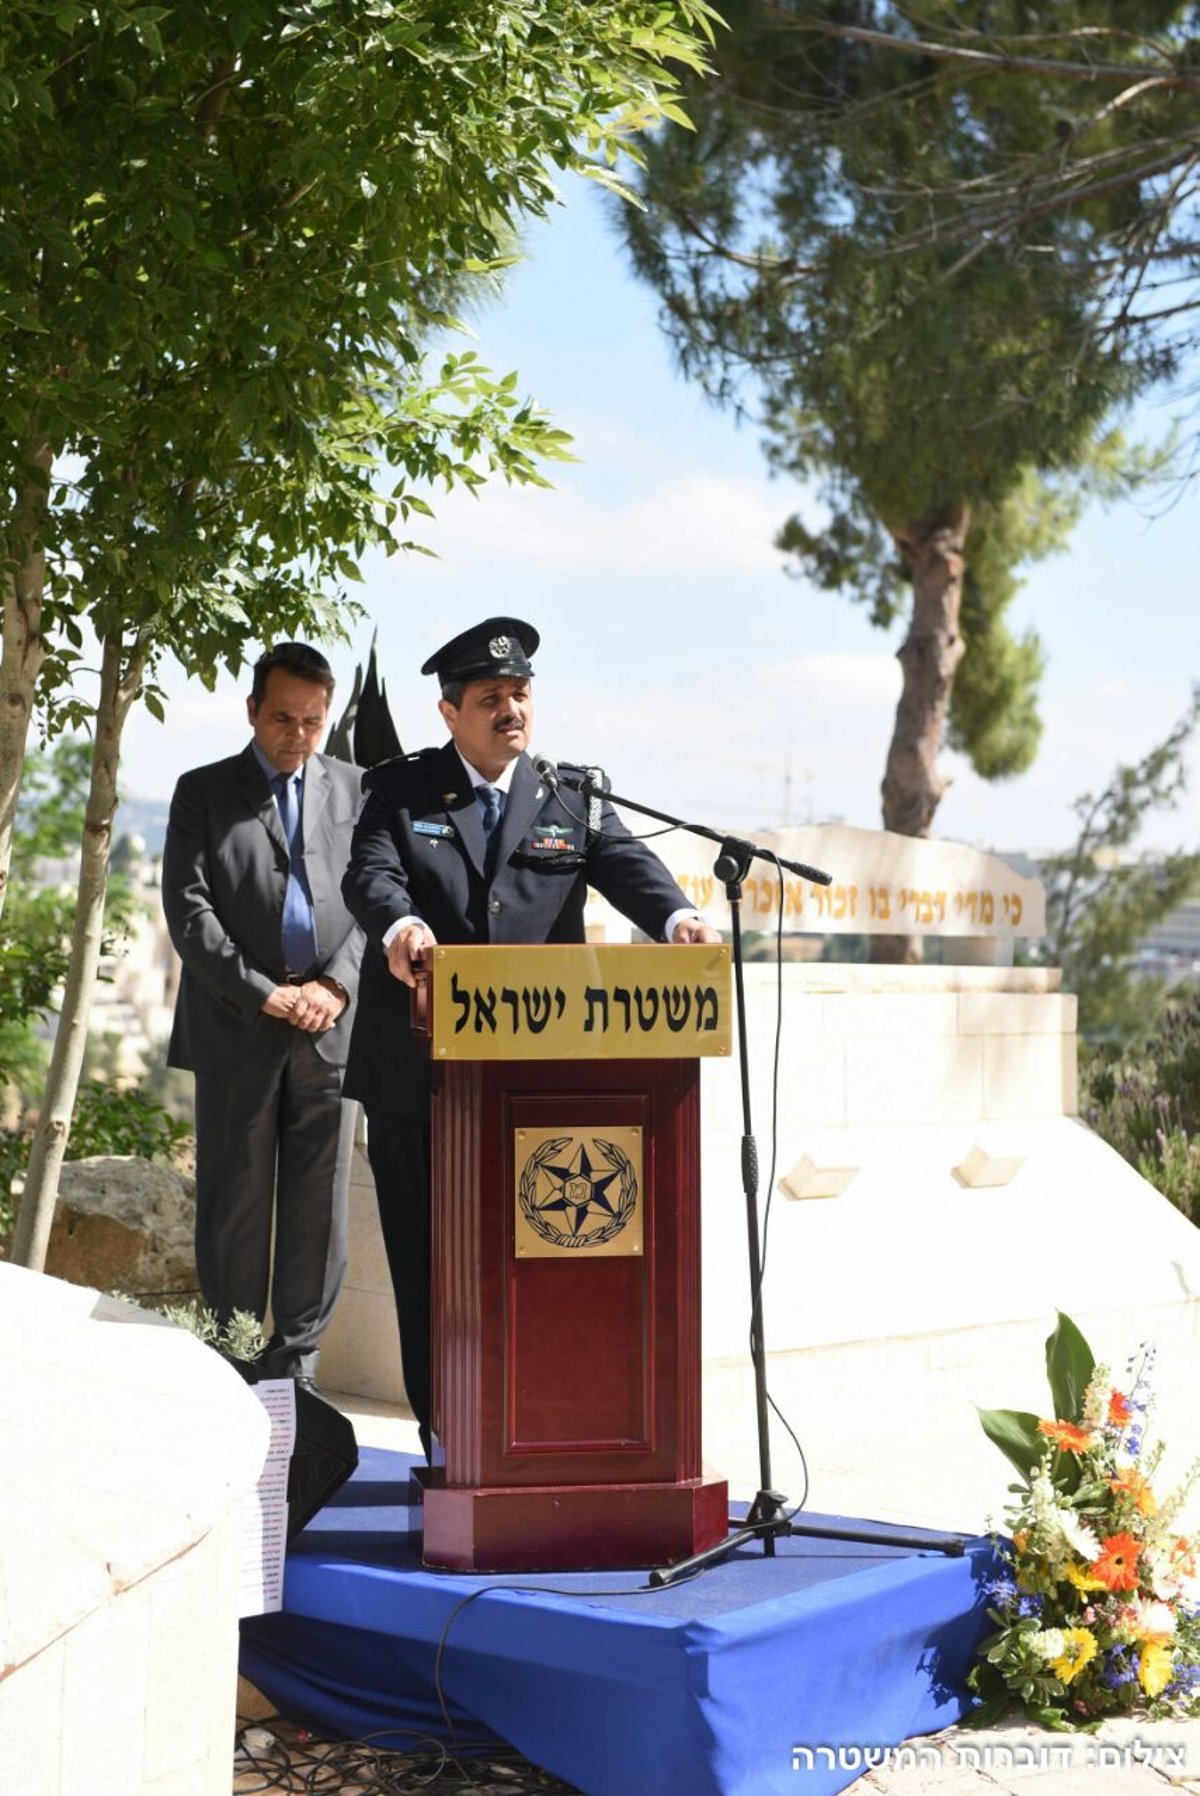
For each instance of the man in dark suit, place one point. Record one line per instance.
(254, 854)
(465, 843)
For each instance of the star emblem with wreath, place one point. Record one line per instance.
(579, 1191)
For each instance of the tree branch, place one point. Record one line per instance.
(982, 59)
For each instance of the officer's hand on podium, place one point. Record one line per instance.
(694, 929)
(406, 951)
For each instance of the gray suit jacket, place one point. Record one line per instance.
(225, 868)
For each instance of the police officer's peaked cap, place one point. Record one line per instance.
(499, 646)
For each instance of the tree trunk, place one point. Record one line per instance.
(119, 686)
(24, 645)
(933, 549)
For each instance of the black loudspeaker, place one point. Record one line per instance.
(325, 1455)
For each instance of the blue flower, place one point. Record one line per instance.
(1029, 1605)
(1120, 1667)
(1003, 1593)
(1185, 1682)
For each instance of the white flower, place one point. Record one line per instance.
(1077, 1533)
(1152, 1618)
(1048, 1643)
(1162, 1576)
(1094, 1410)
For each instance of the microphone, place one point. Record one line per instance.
(545, 769)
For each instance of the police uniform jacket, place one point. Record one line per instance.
(418, 851)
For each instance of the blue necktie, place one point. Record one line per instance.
(489, 802)
(299, 924)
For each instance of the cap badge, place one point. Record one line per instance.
(499, 647)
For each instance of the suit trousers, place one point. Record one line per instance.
(273, 1143)
(398, 1149)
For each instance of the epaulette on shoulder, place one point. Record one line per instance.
(413, 760)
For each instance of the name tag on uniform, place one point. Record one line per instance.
(551, 841)
(433, 829)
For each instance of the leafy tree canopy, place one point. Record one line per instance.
(227, 230)
(1123, 78)
(912, 382)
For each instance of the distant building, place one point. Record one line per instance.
(1173, 946)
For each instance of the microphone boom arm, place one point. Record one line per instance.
(743, 851)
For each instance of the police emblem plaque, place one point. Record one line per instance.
(578, 1193)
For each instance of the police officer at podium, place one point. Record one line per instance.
(468, 843)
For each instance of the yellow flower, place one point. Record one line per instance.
(1156, 1670)
(1079, 1647)
(1077, 1575)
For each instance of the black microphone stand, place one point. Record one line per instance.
(768, 1518)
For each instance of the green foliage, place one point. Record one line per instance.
(14, 1152)
(1069, 1369)
(1147, 1104)
(1119, 83)
(110, 1120)
(1070, 1366)
(1100, 905)
(230, 232)
(241, 1338)
(35, 925)
(1014, 1431)
(786, 237)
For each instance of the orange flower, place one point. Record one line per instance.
(1116, 1568)
(1183, 1557)
(1119, 1409)
(1066, 1435)
(1135, 1486)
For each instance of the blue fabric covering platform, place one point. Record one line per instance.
(705, 1688)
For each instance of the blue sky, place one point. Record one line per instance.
(676, 651)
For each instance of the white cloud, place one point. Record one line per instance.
(691, 520)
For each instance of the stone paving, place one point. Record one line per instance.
(1123, 1759)
(1126, 1758)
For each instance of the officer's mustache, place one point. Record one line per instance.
(506, 723)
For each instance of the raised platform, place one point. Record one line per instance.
(761, 1675)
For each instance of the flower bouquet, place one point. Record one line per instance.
(1096, 1611)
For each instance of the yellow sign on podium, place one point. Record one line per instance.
(584, 1001)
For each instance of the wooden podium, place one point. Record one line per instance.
(566, 1254)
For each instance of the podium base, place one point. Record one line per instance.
(571, 1527)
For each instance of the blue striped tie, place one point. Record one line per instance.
(299, 923)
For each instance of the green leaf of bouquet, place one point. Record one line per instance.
(1065, 1473)
(1050, 1717)
(989, 1711)
(1090, 1493)
(1069, 1367)
(1014, 1431)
